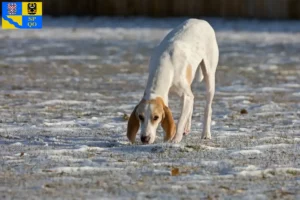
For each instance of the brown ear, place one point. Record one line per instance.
(168, 124)
(133, 126)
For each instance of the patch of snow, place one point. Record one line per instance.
(157, 172)
(272, 146)
(245, 153)
(64, 102)
(16, 144)
(269, 172)
(83, 170)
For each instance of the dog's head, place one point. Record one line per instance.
(148, 115)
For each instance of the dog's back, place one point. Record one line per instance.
(188, 44)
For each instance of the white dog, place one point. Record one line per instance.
(188, 51)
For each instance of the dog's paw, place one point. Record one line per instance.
(186, 132)
(177, 138)
(206, 136)
(187, 128)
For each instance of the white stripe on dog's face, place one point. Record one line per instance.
(150, 114)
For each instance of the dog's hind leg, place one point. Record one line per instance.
(209, 77)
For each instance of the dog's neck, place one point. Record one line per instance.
(151, 95)
(158, 85)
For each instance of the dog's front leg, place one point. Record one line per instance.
(187, 106)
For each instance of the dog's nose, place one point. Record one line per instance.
(145, 139)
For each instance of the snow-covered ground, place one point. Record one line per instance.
(64, 91)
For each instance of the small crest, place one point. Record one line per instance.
(31, 8)
(11, 8)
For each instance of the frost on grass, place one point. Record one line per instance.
(67, 91)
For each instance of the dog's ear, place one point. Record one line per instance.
(133, 126)
(168, 124)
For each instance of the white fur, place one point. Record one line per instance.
(147, 128)
(191, 43)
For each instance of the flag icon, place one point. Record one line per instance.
(22, 15)
(11, 8)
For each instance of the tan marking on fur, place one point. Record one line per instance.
(158, 109)
(133, 122)
(167, 121)
(133, 125)
(189, 74)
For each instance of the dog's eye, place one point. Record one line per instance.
(155, 118)
(141, 117)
